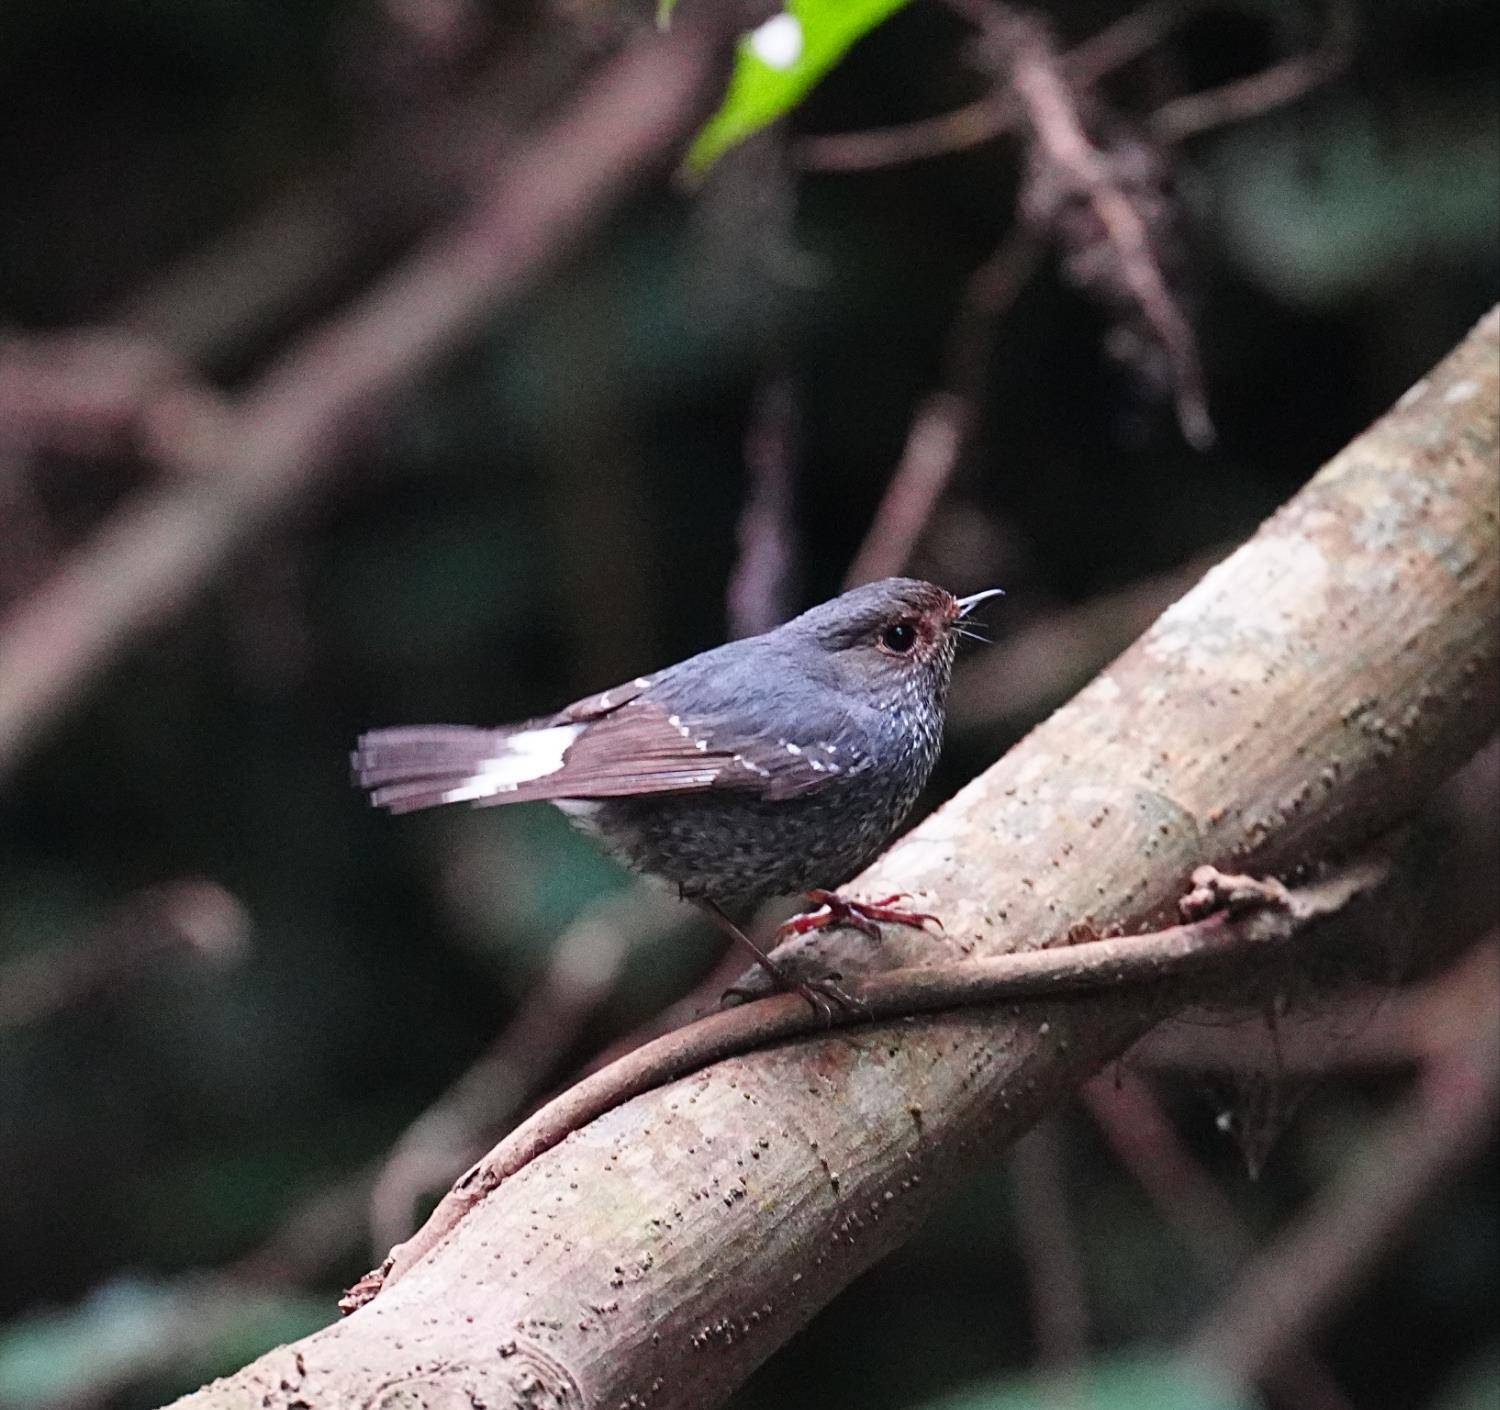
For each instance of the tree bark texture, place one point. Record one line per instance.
(1297, 703)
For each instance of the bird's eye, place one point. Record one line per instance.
(899, 638)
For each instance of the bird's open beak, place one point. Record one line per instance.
(969, 603)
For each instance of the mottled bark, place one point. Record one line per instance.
(1297, 702)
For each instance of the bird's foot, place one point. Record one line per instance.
(824, 994)
(827, 996)
(833, 909)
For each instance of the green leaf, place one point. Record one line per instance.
(759, 94)
(134, 1330)
(1366, 210)
(1476, 1387)
(1142, 1384)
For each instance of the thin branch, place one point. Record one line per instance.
(1071, 174)
(1054, 1261)
(998, 112)
(1262, 92)
(1189, 949)
(763, 583)
(946, 420)
(1369, 1030)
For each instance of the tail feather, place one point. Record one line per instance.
(424, 766)
(409, 797)
(419, 751)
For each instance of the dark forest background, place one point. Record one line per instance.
(232, 986)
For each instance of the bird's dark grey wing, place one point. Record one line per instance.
(647, 747)
(625, 742)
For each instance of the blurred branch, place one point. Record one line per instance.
(763, 583)
(999, 111)
(187, 919)
(1036, 667)
(1265, 91)
(1101, 200)
(31, 534)
(90, 391)
(270, 448)
(745, 256)
(583, 970)
(1296, 1283)
(946, 420)
(939, 431)
(423, 158)
(110, 389)
(1370, 1030)
(636, 1256)
(1187, 1200)
(1054, 1262)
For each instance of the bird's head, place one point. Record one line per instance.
(894, 635)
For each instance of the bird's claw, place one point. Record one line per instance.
(833, 909)
(827, 995)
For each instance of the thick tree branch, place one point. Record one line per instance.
(1305, 696)
(1252, 921)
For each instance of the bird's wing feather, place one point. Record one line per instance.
(620, 752)
(681, 731)
(643, 748)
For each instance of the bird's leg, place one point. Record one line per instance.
(833, 909)
(822, 994)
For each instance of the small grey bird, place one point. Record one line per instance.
(771, 765)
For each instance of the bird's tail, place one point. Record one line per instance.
(425, 766)
(416, 766)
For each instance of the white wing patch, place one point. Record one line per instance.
(526, 756)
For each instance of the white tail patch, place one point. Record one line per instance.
(525, 756)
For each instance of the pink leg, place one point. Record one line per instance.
(824, 995)
(833, 909)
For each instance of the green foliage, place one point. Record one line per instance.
(1476, 1387)
(1319, 206)
(131, 1327)
(435, 584)
(1149, 1384)
(759, 94)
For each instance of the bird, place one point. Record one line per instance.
(771, 765)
